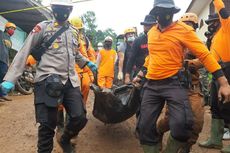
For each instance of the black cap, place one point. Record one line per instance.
(212, 17)
(149, 20)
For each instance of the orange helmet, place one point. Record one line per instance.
(192, 17)
(10, 24)
(129, 30)
(77, 22)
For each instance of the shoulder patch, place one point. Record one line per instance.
(36, 29)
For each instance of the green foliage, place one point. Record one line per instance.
(96, 36)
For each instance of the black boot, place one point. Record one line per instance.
(185, 149)
(45, 139)
(65, 143)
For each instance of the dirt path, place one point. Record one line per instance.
(18, 132)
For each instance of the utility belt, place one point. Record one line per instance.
(184, 79)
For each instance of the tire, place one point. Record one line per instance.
(24, 87)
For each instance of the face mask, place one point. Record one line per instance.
(10, 32)
(61, 13)
(164, 19)
(108, 45)
(131, 39)
(164, 16)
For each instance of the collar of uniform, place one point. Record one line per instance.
(165, 29)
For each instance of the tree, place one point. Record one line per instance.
(89, 20)
(95, 36)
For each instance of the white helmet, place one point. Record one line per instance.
(62, 2)
(108, 38)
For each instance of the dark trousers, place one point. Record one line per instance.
(3, 71)
(47, 116)
(155, 94)
(218, 109)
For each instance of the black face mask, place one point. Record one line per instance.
(164, 20)
(164, 17)
(61, 13)
(108, 45)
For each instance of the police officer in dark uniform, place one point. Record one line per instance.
(56, 80)
(139, 49)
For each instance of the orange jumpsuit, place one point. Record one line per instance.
(85, 75)
(106, 65)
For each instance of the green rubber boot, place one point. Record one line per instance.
(217, 131)
(151, 149)
(225, 149)
(173, 145)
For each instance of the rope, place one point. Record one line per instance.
(37, 7)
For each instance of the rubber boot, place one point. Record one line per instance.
(151, 149)
(65, 143)
(173, 145)
(185, 149)
(226, 149)
(217, 131)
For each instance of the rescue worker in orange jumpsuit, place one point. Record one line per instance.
(195, 97)
(219, 27)
(167, 81)
(106, 64)
(86, 49)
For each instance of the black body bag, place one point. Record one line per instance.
(116, 106)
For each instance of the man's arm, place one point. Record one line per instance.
(121, 56)
(134, 50)
(195, 45)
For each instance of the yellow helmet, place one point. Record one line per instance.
(10, 24)
(192, 17)
(77, 22)
(129, 30)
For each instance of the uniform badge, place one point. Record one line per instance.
(55, 45)
(36, 29)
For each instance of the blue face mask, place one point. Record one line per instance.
(131, 39)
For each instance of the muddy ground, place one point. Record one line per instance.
(18, 131)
